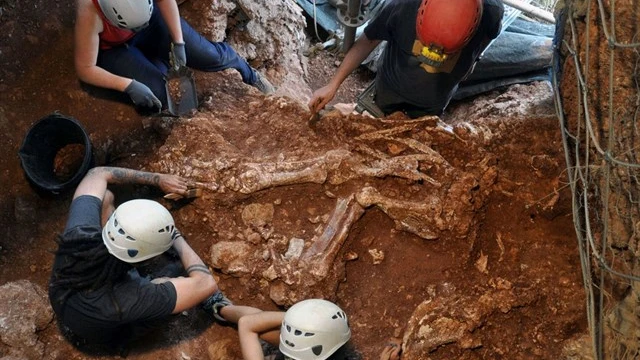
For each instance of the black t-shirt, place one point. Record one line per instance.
(401, 79)
(93, 315)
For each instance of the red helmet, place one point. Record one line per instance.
(445, 26)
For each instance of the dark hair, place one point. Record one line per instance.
(345, 352)
(86, 265)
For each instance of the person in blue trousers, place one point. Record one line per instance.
(125, 45)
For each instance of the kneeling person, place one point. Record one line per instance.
(101, 301)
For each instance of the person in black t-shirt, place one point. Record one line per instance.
(101, 301)
(432, 45)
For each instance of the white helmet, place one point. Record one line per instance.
(313, 330)
(127, 14)
(138, 230)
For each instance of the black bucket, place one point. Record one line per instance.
(41, 145)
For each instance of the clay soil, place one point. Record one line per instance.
(525, 232)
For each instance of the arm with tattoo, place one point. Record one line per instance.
(199, 283)
(97, 179)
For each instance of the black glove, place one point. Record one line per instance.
(142, 96)
(178, 56)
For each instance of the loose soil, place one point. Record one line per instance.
(525, 235)
(68, 161)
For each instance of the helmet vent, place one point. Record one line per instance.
(168, 228)
(121, 231)
(308, 334)
(288, 328)
(121, 22)
(132, 252)
(317, 350)
(297, 333)
(340, 315)
(289, 343)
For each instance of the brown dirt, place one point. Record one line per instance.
(175, 92)
(68, 161)
(525, 226)
(321, 67)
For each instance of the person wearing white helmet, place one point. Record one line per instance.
(312, 329)
(126, 45)
(101, 301)
(431, 46)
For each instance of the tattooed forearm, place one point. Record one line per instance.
(198, 267)
(129, 176)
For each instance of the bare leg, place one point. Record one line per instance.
(233, 313)
(108, 206)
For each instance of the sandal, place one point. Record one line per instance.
(214, 303)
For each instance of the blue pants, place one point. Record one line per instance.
(146, 56)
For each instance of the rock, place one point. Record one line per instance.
(257, 216)
(270, 274)
(450, 318)
(222, 350)
(263, 32)
(296, 246)
(230, 256)
(350, 256)
(578, 348)
(377, 256)
(24, 311)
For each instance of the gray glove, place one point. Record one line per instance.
(142, 96)
(178, 56)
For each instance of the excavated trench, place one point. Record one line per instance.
(454, 234)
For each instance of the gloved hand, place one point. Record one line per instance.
(142, 96)
(178, 56)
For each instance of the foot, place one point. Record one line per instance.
(214, 303)
(263, 84)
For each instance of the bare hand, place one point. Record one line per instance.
(173, 184)
(321, 97)
(392, 350)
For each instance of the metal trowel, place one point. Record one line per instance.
(180, 86)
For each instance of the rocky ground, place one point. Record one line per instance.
(458, 231)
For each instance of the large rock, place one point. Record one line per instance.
(268, 33)
(24, 310)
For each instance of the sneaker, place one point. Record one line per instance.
(214, 303)
(263, 84)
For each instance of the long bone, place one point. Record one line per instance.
(256, 179)
(318, 258)
(414, 217)
(322, 253)
(338, 165)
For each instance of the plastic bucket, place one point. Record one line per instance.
(41, 145)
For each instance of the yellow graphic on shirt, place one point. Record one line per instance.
(427, 55)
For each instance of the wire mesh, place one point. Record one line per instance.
(597, 101)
